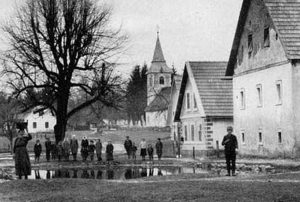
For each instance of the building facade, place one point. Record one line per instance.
(264, 64)
(204, 108)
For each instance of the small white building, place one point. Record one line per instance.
(204, 108)
(38, 121)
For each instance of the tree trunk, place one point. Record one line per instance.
(61, 116)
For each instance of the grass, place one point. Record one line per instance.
(98, 190)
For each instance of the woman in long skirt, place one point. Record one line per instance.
(22, 162)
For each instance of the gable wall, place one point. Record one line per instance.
(257, 19)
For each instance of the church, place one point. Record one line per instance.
(159, 78)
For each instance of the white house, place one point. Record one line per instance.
(204, 108)
(39, 121)
(158, 89)
(265, 66)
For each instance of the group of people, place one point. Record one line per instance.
(144, 148)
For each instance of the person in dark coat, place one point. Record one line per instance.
(230, 144)
(48, 148)
(128, 145)
(91, 150)
(109, 152)
(60, 150)
(66, 149)
(37, 151)
(133, 151)
(74, 147)
(54, 154)
(22, 161)
(159, 148)
(99, 150)
(150, 152)
(84, 148)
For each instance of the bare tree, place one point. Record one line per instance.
(58, 49)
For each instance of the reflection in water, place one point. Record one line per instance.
(99, 174)
(48, 174)
(110, 174)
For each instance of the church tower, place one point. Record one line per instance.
(159, 74)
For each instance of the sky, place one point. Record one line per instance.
(189, 30)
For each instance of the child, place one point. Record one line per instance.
(91, 150)
(60, 150)
(133, 150)
(150, 152)
(37, 151)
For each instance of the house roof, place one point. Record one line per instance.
(158, 62)
(215, 92)
(286, 18)
(161, 101)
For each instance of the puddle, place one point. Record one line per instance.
(117, 174)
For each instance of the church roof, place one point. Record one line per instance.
(158, 62)
(286, 18)
(161, 101)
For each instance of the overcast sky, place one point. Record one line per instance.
(190, 30)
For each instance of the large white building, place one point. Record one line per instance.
(265, 66)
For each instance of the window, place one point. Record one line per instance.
(195, 102)
(161, 80)
(185, 133)
(266, 37)
(250, 45)
(279, 138)
(279, 92)
(259, 95)
(192, 132)
(243, 137)
(188, 105)
(260, 137)
(200, 133)
(242, 99)
(46, 124)
(34, 125)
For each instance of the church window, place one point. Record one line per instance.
(161, 80)
(195, 102)
(185, 133)
(200, 133)
(192, 132)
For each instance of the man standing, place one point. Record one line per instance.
(230, 143)
(128, 145)
(74, 147)
(99, 150)
(159, 148)
(48, 148)
(109, 152)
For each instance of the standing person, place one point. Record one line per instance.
(74, 147)
(143, 146)
(230, 144)
(37, 151)
(53, 151)
(48, 148)
(133, 151)
(66, 149)
(109, 152)
(128, 145)
(22, 162)
(91, 150)
(99, 150)
(60, 150)
(84, 148)
(150, 152)
(159, 148)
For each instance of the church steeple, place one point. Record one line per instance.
(158, 55)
